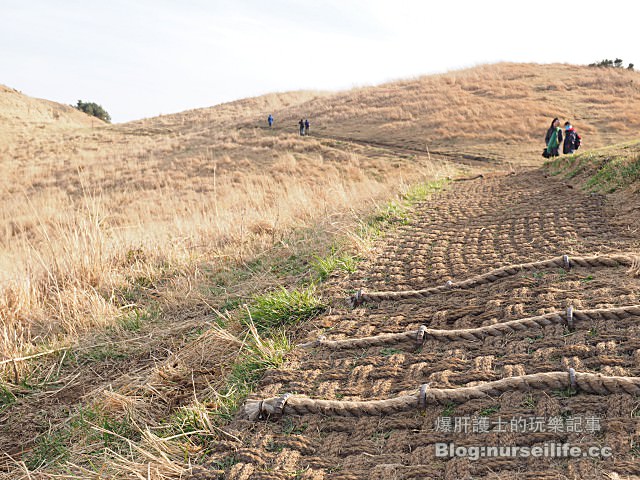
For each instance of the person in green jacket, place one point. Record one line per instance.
(554, 138)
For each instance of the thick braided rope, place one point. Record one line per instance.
(585, 382)
(474, 334)
(494, 275)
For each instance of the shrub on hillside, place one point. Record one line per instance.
(606, 63)
(91, 108)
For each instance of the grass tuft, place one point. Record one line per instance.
(334, 261)
(284, 307)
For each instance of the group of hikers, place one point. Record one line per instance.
(554, 139)
(570, 141)
(304, 127)
(303, 124)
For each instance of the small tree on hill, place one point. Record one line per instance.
(91, 108)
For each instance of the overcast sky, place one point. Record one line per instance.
(142, 58)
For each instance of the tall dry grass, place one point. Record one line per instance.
(90, 210)
(503, 108)
(83, 227)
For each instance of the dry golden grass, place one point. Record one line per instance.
(494, 110)
(102, 222)
(91, 213)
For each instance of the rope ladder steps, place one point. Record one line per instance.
(420, 399)
(563, 262)
(289, 404)
(422, 334)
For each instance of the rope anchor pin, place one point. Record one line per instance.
(356, 300)
(422, 399)
(570, 317)
(572, 380)
(420, 336)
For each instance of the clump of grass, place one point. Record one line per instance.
(334, 261)
(90, 429)
(133, 319)
(449, 409)
(423, 191)
(605, 170)
(395, 211)
(387, 352)
(258, 355)
(7, 397)
(615, 173)
(284, 307)
(489, 411)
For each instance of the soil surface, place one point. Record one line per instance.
(472, 227)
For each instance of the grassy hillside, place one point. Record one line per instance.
(96, 218)
(133, 256)
(500, 110)
(604, 170)
(24, 119)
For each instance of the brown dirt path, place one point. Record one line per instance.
(471, 228)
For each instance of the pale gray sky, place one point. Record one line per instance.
(142, 58)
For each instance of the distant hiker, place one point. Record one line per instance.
(270, 120)
(553, 139)
(306, 127)
(301, 123)
(572, 140)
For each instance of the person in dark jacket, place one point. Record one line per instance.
(306, 126)
(301, 124)
(572, 140)
(270, 120)
(553, 138)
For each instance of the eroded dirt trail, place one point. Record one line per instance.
(471, 228)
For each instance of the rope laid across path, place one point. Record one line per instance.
(557, 262)
(300, 405)
(473, 334)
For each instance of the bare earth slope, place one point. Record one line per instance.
(474, 227)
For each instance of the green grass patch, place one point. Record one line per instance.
(334, 261)
(387, 352)
(489, 411)
(604, 171)
(102, 353)
(7, 398)
(615, 173)
(133, 319)
(284, 307)
(449, 410)
(422, 191)
(397, 211)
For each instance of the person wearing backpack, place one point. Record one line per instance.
(306, 127)
(301, 124)
(572, 140)
(553, 139)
